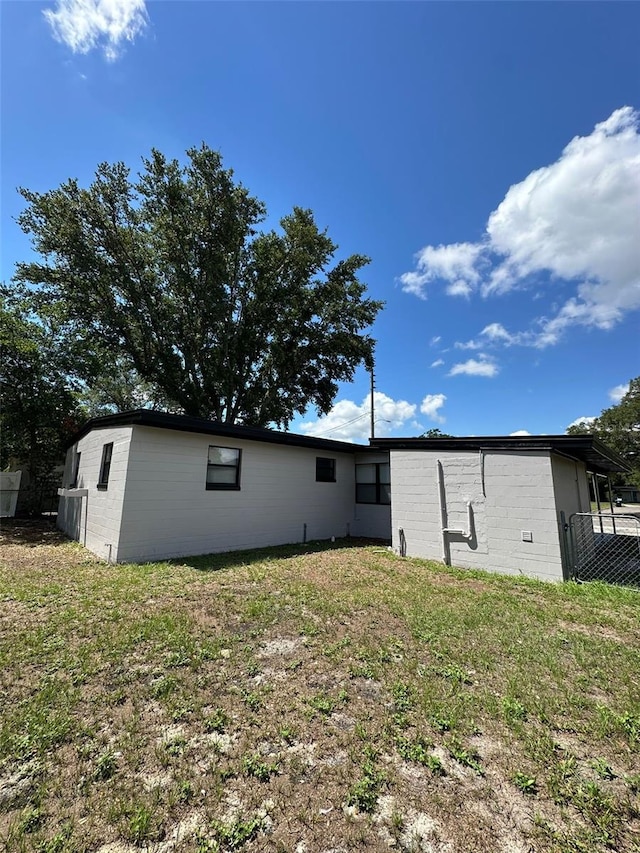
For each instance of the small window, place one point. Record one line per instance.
(373, 483)
(75, 470)
(325, 470)
(223, 468)
(105, 466)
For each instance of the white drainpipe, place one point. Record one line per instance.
(445, 530)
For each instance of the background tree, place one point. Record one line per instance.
(619, 427)
(434, 432)
(169, 275)
(39, 409)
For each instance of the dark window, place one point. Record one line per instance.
(325, 470)
(373, 483)
(74, 473)
(105, 466)
(223, 468)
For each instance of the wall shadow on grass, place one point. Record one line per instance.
(234, 559)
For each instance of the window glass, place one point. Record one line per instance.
(365, 493)
(365, 473)
(105, 466)
(385, 472)
(325, 470)
(223, 456)
(223, 468)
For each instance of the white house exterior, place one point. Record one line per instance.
(495, 503)
(145, 485)
(168, 492)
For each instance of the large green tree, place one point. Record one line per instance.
(170, 274)
(38, 400)
(619, 427)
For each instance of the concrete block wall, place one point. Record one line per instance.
(99, 514)
(169, 513)
(510, 491)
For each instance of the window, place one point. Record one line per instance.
(74, 471)
(105, 466)
(325, 470)
(373, 483)
(223, 468)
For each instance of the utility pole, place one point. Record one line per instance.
(373, 415)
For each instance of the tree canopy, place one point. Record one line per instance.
(619, 427)
(169, 279)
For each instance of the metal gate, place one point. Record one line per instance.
(605, 547)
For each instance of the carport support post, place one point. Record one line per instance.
(596, 492)
(613, 514)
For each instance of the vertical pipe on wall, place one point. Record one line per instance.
(442, 498)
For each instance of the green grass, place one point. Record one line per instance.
(250, 696)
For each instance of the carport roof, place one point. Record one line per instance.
(586, 448)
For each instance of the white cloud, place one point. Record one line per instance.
(431, 405)
(435, 340)
(576, 219)
(348, 421)
(585, 419)
(484, 367)
(84, 25)
(520, 432)
(437, 363)
(616, 394)
(455, 264)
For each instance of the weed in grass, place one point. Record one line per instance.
(287, 734)
(513, 709)
(343, 696)
(217, 721)
(252, 700)
(633, 783)
(416, 749)
(253, 669)
(363, 670)
(184, 792)
(254, 766)
(106, 766)
(466, 757)
(181, 712)
(333, 650)
(403, 697)
(323, 704)
(441, 724)
(163, 687)
(229, 836)
(58, 843)
(453, 673)
(175, 746)
(525, 783)
(139, 826)
(30, 820)
(364, 793)
(602, 769)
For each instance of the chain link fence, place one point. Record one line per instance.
(605, 547)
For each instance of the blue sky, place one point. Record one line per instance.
(485, 155)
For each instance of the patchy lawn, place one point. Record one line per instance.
(319, 698)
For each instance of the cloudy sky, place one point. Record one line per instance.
(485, 156)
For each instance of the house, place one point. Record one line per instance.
(146, 485)
(502, 503)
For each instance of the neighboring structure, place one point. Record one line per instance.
(147, 485)
(493, 502)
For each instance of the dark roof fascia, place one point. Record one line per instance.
(587, 448)
(184, 423)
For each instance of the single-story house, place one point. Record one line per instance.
(146, 485)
